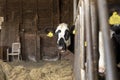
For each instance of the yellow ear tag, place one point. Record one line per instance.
(74, 31)
(50, 34)
(114, 19)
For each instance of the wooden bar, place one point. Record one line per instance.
(82, 47)
(38, 50)
(77, 72)
(89, 50)
(109, 55)
(82, 39)
(94, 37)
(79, 60)
(74, 9)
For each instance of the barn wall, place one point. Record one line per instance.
(28, 21)
(1, 14)
(66, 11)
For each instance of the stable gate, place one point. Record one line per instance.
(86, 40)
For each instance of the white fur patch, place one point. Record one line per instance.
(63, 27)
(102, 54)
(101, 50)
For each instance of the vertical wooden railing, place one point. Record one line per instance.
(77, 69)
(89, 51)
(94, 27)
(86, 41)
(82, 38)
(108, 50)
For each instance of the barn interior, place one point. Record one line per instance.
(29, 22)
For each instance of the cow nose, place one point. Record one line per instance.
(61, 44)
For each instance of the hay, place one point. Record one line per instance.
(19, 73)
(2, 75)
(60, 70)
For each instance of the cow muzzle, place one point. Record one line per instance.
(62, 45)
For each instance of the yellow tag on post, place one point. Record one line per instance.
(50, 34)
(85, 43)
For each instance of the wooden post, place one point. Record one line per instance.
(74, 9)
(82, 33)
(109, 55)
(79, 60)
(94, 37)
(77, 69)
(89, 50)
(38, 49)
(82, 38)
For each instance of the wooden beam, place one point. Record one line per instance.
(89, 50)
(95, 35)
(74, 9)
(111, 73)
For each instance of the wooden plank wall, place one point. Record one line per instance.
(1, 14)
(66, 11)
(27, 22)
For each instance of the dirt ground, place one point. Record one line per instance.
(42, 70)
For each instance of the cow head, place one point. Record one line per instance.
(63, 36)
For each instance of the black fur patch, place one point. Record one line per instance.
(58, 33)
(71, 47)
(62, 43)
(67, 35)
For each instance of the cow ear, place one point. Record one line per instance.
(67, 34)
(71, 28)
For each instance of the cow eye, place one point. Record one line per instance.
(58, 33)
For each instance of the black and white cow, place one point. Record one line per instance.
(115, 37)
(116, 41)
(65, 37)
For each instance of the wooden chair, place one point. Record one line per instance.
(16, 47)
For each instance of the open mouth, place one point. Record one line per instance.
(62, 51)
(60, 48)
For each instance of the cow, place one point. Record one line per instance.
(116, 42)
(115, 38)
(65, 37)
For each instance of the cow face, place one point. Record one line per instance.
(63, 36)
